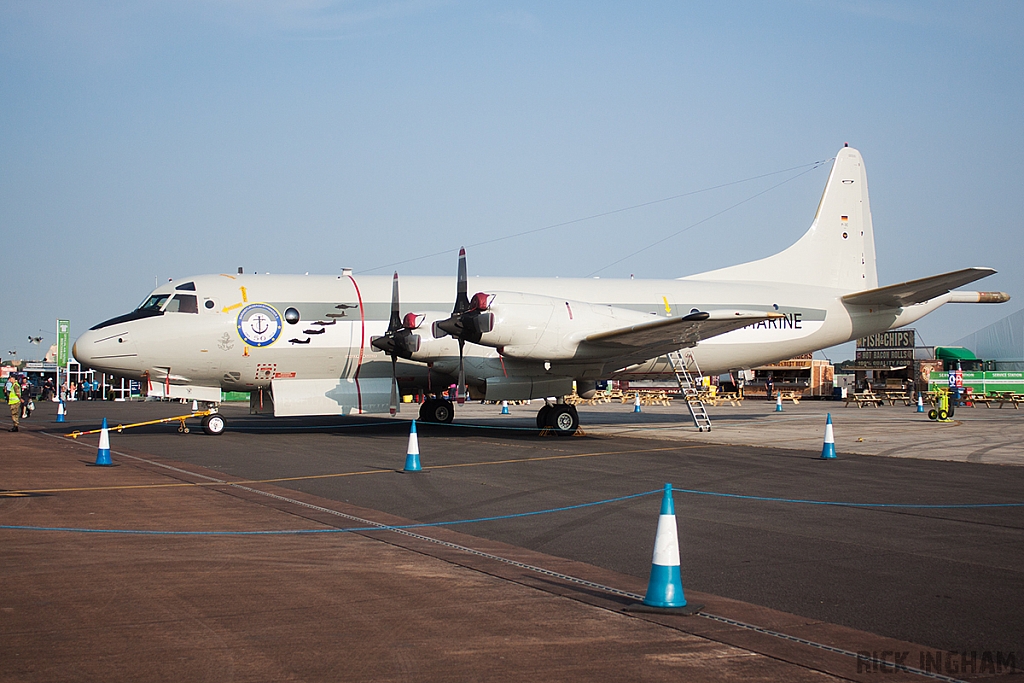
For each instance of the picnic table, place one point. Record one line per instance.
(865, 398)
(731, 397)
(893, 396)
(648, 398)
(1003, 397)
(793, 396)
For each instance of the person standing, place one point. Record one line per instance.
(769, 388)
(27, 405)
(13, 389)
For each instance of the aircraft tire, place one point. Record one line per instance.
(564, 420)
(543, 416)
(437, 410)
(214, 424)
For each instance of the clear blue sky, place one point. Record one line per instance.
(147, 140)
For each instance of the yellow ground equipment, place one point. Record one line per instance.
(943, 410)
(213, 423)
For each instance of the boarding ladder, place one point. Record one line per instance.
(689, 388)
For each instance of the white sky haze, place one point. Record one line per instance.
(143, 140)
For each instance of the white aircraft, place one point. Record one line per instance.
(331, 345)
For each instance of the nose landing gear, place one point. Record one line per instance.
(213, 424)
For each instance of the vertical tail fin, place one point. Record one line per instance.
(838, 250)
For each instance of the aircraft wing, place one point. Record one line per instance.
(917, 291)
(648, 340)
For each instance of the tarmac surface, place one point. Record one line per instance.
(792, 590)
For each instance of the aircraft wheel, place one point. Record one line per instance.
(425, 409)
(438, 410)
(564, 420)
(933, 414)
(543, 416)
(943, 415)
(214, 424)
(952, 409)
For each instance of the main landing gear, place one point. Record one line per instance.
(437, 410)
(562, 419)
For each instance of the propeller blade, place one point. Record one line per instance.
(394, 385)
(396, 317)
(461, 298)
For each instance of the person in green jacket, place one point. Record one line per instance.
(13, 389)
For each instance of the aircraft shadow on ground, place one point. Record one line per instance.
(620, 419)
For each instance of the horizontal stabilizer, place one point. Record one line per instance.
(916, 291)
(657, 337)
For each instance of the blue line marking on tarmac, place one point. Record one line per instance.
(384, 527)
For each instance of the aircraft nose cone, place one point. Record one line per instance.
(106, 350)
(80, 349)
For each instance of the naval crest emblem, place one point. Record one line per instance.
(259, 324)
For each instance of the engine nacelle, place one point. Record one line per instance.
(432, 348)
(535, 327)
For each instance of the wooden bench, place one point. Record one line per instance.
(865, 398)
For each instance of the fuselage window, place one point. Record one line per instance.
(188, 287)
(183, 303)
(154, 303)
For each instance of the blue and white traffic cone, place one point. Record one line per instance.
(412, 453)
(504, 408)
(636, 403)
(103, 453)
(60, 412)
(665, 588)
(920, 403)
(828, 451)
(778, 403)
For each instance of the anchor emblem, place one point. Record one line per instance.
(259, 324)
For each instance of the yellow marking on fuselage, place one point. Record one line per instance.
(668, 309)
(245, 300)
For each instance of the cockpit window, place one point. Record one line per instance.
(183, 303)
(154, 303)
(186, 287)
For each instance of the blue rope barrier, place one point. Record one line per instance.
(533, 513)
